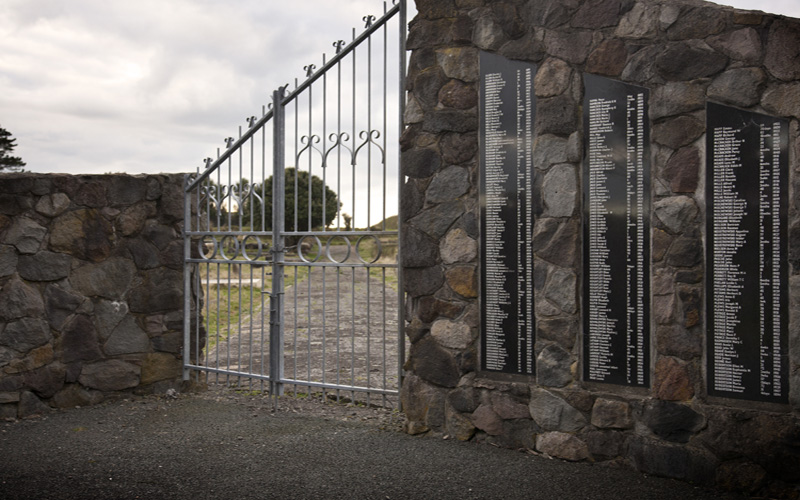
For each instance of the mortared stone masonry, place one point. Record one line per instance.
(91, 288)
(686, 53)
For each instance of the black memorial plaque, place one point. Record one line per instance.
(616, 233)
(506, 134)
(747, 198)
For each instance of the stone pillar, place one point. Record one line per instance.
(686, 53)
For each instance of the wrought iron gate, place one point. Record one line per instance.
(291, 233)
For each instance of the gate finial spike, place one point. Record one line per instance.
(368, 20)
(251, 121)
(208, 162)
(310, 69)
(338, 44)
(229, 141)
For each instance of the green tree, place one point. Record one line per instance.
(7, 145)
(319, 217)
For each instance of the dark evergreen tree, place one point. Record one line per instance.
(321, 215)
(7, 145)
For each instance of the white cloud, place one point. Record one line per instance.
(92, 86)
(151, 85)
(789, 8)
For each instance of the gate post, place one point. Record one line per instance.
(401, 307)
(278, 194)
(188, 300)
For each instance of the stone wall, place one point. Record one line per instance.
(685, 52)
(91, 288)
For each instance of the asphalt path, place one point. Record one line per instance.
(234, 445)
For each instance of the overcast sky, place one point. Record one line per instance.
(146, 86)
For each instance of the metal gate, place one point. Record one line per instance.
(291, 233)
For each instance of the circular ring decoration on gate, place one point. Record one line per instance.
(232, 242)
(309, 249)
(366, 238)
(207, 247)
(328, 249)
(250, 241)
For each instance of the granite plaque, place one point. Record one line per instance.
(746, 243)
(507, 108)
(616, 233)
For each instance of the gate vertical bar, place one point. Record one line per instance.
(276, 298)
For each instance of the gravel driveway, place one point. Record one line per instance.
(224, 444)
(341, 327)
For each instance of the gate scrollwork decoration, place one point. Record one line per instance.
(370, 139)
